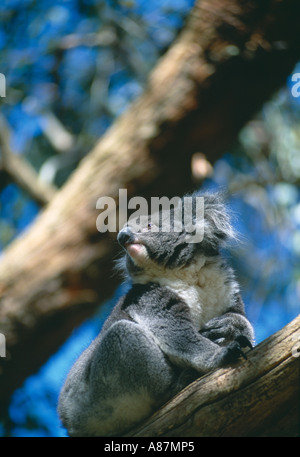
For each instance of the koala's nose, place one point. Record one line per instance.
(124, 236)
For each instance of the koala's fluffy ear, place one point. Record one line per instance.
(214, 220)
(217, 217)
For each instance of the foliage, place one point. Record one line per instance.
(71, 68)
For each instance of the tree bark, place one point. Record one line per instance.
(258, 397)
(228, 60)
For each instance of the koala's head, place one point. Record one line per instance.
(176, 237)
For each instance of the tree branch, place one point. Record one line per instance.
(258, 397)
(21, 172)
(224, 65)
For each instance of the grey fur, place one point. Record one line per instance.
(182, 317)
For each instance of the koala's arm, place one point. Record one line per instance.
(173, 331)
(229, 326)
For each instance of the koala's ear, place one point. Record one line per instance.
(193, 217)
(217, 218)
(211, 217)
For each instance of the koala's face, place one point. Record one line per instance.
(146, 243)
(165, 240)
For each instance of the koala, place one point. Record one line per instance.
(183, 316)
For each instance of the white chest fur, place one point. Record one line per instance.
(204, 287)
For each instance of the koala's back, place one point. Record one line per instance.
(121, 378)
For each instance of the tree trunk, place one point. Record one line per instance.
(258, 397)
(228, 60)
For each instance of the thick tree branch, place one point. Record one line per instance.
(258, 397)
(229, 59)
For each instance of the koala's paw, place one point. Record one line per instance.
(234, 351)
(220, 330)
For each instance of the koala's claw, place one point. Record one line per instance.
(234, 350)
(243, 341)
(243, 354)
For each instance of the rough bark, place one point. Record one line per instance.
(229, 59)
(258, 397)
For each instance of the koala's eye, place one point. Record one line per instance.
(147, 227)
